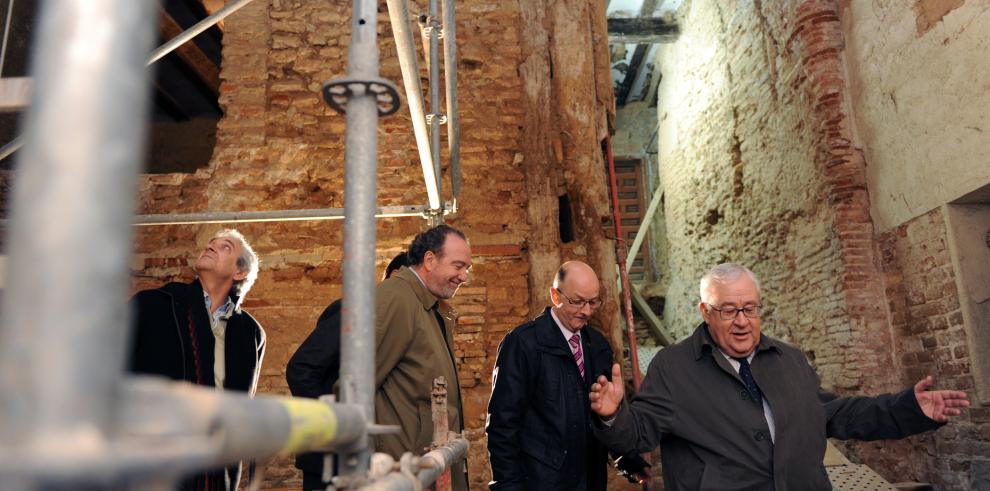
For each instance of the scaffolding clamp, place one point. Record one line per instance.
(442, 118)
(337, 92)
(428, 23)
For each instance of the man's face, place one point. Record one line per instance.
(739, 336)
(579, 287)
(444, 273)
(219, 259)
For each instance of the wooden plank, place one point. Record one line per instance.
(655, 325)
(190, 53)
(641, 30)
(645, 225)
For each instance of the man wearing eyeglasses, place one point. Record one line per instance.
(733, 409)
(539, 416)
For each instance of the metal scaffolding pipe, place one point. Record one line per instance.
(271, 215)
(231, 426)
(169, 46)
(441, 459)
(12, 146)
(360, 174)
(622, 255)
(196, 29)
(6, 34)
(434, 77)
(450, 84)
(64, 324)
(398, 13)
(267, 216)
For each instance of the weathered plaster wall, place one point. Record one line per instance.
(746, 163)
(919, 77)
(761, 163)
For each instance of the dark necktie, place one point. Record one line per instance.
(747, 378)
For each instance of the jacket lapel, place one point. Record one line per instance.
(204, 343)
(552, 341)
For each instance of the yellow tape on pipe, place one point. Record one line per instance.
(313, 424)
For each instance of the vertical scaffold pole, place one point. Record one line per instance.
(358, 353)
(450, 84)
(433, 23)
(64, 325)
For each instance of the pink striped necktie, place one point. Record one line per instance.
(578, 354)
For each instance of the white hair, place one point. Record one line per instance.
(722, 274)
(247, 262)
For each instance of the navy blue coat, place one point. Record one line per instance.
(539, 433)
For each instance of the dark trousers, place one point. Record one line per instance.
(313, 480)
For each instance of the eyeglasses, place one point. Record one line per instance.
(730, 313)
(594, 303)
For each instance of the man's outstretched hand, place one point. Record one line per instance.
(938, 405)
(606, 396)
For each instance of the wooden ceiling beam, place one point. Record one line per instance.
(189, 52)
(641, 30)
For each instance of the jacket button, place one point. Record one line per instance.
(758, 436)
(744, 395)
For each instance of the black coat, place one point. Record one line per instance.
(172, 338)
(314, 369)
(538, 427)
(714, 436)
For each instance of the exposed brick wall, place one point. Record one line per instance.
(930, 339)
(759, 164)
(279, 147)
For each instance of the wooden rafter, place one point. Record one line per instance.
(191, 54)
(641, 30)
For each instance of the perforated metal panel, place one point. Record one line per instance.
(854, 477)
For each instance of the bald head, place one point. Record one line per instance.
(572, 271)
(575, 294)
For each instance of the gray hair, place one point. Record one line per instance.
(725, 273)
(247, 262)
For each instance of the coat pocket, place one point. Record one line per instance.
(551, 456)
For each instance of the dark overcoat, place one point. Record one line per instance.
(539, 435)
(713, 436)
(172, 337)
(314, 369)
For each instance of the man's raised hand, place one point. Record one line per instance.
(607, 395)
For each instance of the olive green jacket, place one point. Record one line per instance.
(410, 352)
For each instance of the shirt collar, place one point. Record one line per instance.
(418, 277)
(563, 330)
(702, 339)
(731, 359)
(225, 310)
(425, 296)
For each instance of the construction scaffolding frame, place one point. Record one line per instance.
(72, 418)
(426, 127)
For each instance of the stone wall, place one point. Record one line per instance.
(279, 147)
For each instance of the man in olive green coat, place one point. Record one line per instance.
(414, 335)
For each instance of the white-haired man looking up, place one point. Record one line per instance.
(197, 332)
